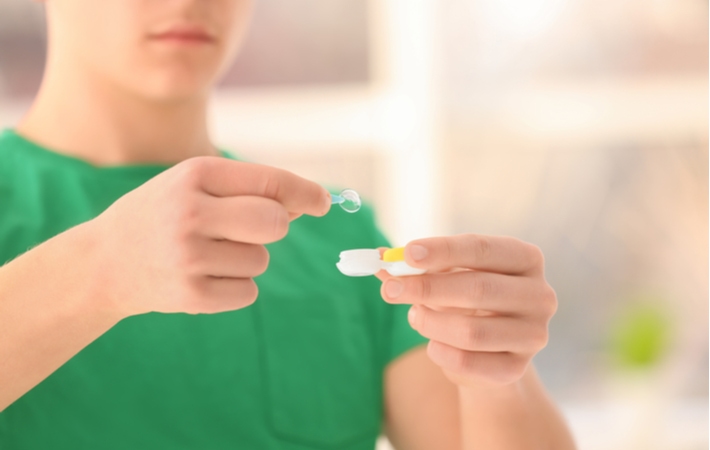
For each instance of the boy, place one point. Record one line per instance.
(132, 217)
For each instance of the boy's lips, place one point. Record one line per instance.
(183, 34)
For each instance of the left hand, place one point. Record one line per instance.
(484, 304)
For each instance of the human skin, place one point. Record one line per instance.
(485, 305)
(196, 252)
(132, 68)
(141, 71)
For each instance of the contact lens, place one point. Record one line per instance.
(348, 199)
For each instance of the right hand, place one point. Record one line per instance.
(191, 239)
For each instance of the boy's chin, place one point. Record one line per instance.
(175, 90)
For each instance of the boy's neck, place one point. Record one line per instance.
(96, 121)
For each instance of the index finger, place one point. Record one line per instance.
(222, 177)
(499, 254)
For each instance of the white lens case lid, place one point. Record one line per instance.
(359, 262)
(365, 262)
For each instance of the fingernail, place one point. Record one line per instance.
(412, 314)
(394, 288)
(418, 252)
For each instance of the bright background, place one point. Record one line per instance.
(581, 126)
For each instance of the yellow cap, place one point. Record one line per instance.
(393, 255)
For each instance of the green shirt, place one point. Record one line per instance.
(302, 368)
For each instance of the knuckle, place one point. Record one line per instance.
(471, 364)
(447, 248)
(189, 261)
(461, 361)
(187, 219)
(273, 220)
(480, 287)
(424, 288)
(192, 170)
(270, 187)
(549, 301)
(482, 247)
(475, 336)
